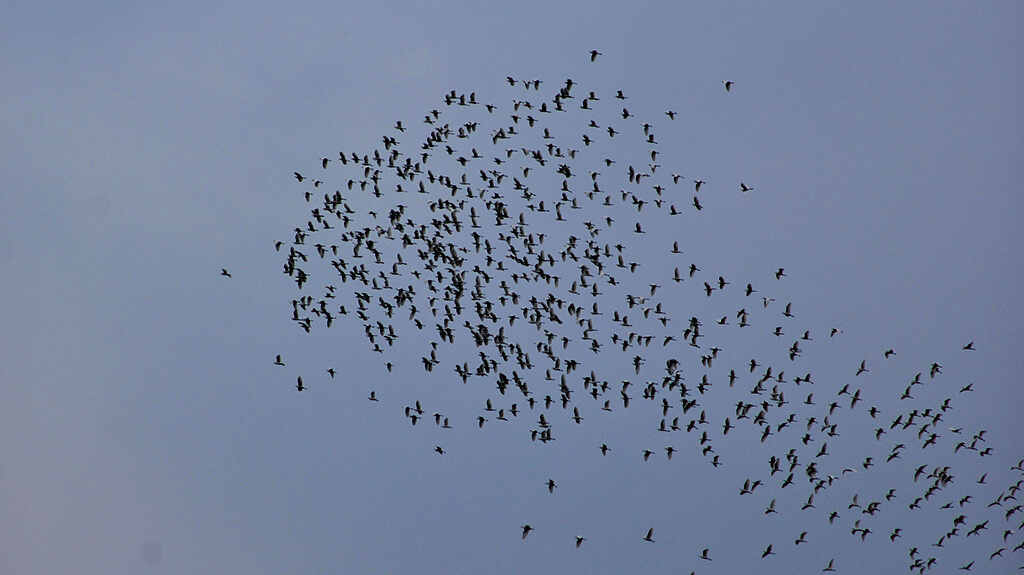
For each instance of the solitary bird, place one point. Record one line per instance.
(298, 384)
(593, 56)
(650, 535)
(728, 85)
(579, 541)
(224, 272)
(526, 530)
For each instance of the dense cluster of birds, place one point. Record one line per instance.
(519, 229)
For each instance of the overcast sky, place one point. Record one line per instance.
(144, 427)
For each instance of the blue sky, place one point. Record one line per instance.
(148, 146)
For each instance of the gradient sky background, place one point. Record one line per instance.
(146, 146)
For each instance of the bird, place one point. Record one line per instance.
(862, 368)
(650, 535)
(728, 85)
(704, 554)
(298, 384)
(224, 272)
(768, 551)
(579, 541)
(526, 529)
(594, 54)
(439, 450)
(745, 188)
(278, 360)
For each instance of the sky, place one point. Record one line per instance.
(144, 425)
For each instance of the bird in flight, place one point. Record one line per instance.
(224, 272)
(594, 54)
(650, 535)
(727, 84)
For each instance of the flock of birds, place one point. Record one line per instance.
(523, 231)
